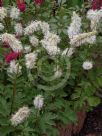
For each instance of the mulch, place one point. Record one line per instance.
(93, 123)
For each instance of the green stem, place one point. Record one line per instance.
(37, 113)
(13, 96)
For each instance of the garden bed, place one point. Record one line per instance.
(93, 123)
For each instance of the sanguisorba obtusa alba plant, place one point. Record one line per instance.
(35, 74)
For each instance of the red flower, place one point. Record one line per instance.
(1, 3)
(96, 4)
(21, 5)
(12, 56)
(38, 2)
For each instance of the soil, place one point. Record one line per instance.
(93, 123)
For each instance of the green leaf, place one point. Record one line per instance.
(3, 121)
(4, 130)
(27, 1)
(4, 108)
(47, 121)
(93, 101)
(72, 116)
(68, 116)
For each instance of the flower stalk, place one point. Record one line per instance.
(13, 96)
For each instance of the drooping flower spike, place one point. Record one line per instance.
(20, 116)
(14, 43)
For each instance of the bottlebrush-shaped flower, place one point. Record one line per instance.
(75, 26)
(20, 116)
(94, 16)
(14, 43)
(30, 60)
(21, 5)
(38, 102)
(3, 13)
(83, 38)
(14, 13)
(96, 4)
(14, 68)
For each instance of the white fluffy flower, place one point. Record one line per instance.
(58, 72)
(18, 29)
(14, 43)
(1, 26)
(14, 13)
(94, 16)
(87, 65)
(80, 39)
(3, 13)
(68, 52)
(20, 116)
(74, 28)
(36, 26)
(52, 50)
(93, 25)
(50, 42)
(14, 68)
(38, 102)
(44, 27)
(30, 60)
(34, 41)
(91, 40)
(33, 27)
(27, 49)
(50, 39)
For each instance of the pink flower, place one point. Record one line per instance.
(12, 56)
(96, 4)
(38, 2)
(21, 5)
